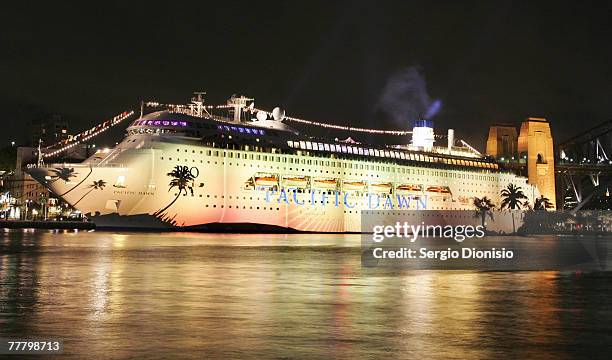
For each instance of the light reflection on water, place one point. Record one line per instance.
(191, 295)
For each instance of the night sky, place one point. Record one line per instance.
(486, 62)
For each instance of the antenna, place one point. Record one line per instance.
(278, 114)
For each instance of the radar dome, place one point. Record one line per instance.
(278, 114)
(261, 116)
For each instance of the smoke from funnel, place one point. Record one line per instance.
(405, 99)
(433, 109)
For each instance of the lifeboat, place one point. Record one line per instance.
(384, 187)
(353, 185)
(409, 187)
(439, 189)
(299, 181)
(325, 183)
(267, 180)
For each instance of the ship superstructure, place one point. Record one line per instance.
(234, 165)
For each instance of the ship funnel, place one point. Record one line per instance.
(451, 139)
(423, 134)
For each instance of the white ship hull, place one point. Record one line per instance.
(138, 188)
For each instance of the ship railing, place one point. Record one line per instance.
(78, 165)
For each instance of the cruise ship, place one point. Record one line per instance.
(234, 166)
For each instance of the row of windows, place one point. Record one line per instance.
(341, 164)
(244, 207)
(356, 150)
(303, 148)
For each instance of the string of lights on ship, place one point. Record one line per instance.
(347, 149)
(248, 139)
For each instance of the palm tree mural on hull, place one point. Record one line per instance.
(65, 174)
(97, 185)
(182, 179)
(483, 208)
(513, 198)
(62, 174)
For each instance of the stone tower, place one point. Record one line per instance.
(535, 142)
(502, 141)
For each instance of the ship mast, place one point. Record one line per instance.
(197, 104)
(40, 162)
(238, 103)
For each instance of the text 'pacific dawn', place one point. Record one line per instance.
(374, 201)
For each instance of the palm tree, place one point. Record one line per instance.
(483, 208)
(542, 203)
(182, 178)
(527, 205)
(97, 185)
(513, 199)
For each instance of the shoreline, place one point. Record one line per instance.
(81, 225)
(39, 224)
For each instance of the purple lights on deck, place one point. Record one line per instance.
(173, 123)
(161, 123)
(240, 129)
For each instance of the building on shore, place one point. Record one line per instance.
(24, 197)
(528, 152)
(49, 130)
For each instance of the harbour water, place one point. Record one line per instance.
(192, 295)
